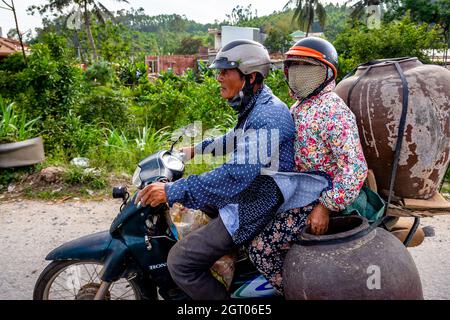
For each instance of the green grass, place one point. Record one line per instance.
(14, 126)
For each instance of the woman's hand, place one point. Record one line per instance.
(153, 194)
(319, 219)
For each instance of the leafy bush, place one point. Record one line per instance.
(204, 72)
(278, 40)
(51, 83)
(78, 138)
(101, 73)
(48, 88)
(13, 63)
(130, 73)
(189, 45)
(70, 137)
(104, 106)
(174, 101)
(395, 39)
(10, 70)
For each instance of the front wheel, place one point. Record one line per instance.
(80, 280)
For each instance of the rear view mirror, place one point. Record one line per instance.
(191, 130)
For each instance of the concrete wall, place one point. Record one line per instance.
(178, 63)
(230, 33)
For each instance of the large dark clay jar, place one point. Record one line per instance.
(349, 263)
(376, 101)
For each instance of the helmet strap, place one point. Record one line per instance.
(239, 101)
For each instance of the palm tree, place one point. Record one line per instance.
(86, 7)
(305, 11)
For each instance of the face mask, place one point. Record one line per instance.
(304, 79)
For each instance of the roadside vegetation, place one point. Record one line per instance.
(98, 102)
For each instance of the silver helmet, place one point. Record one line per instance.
(246, 55)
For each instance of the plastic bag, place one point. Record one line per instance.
(182, 221)
(223, 269)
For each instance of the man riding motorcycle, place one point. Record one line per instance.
(246, 197)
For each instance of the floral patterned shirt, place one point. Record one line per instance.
(327, 140)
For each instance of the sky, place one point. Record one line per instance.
(202, 11)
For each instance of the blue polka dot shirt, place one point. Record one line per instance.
(263, 138)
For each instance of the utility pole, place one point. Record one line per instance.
(11, 7)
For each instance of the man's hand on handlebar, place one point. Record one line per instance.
(153, 194)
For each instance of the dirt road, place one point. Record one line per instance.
(30, 229)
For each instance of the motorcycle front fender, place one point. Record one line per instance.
(92, 247)
(99, 247)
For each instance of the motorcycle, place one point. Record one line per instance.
(129, 261)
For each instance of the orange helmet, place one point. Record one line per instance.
(316, 48)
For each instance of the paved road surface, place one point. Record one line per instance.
(30, 229)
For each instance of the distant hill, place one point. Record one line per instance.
(138, 32)
(137, 20)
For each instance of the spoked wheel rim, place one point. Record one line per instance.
(81, 281)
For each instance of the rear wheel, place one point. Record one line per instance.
(80, 280)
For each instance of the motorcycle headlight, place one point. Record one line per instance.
(172, 163)
(136, 180)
